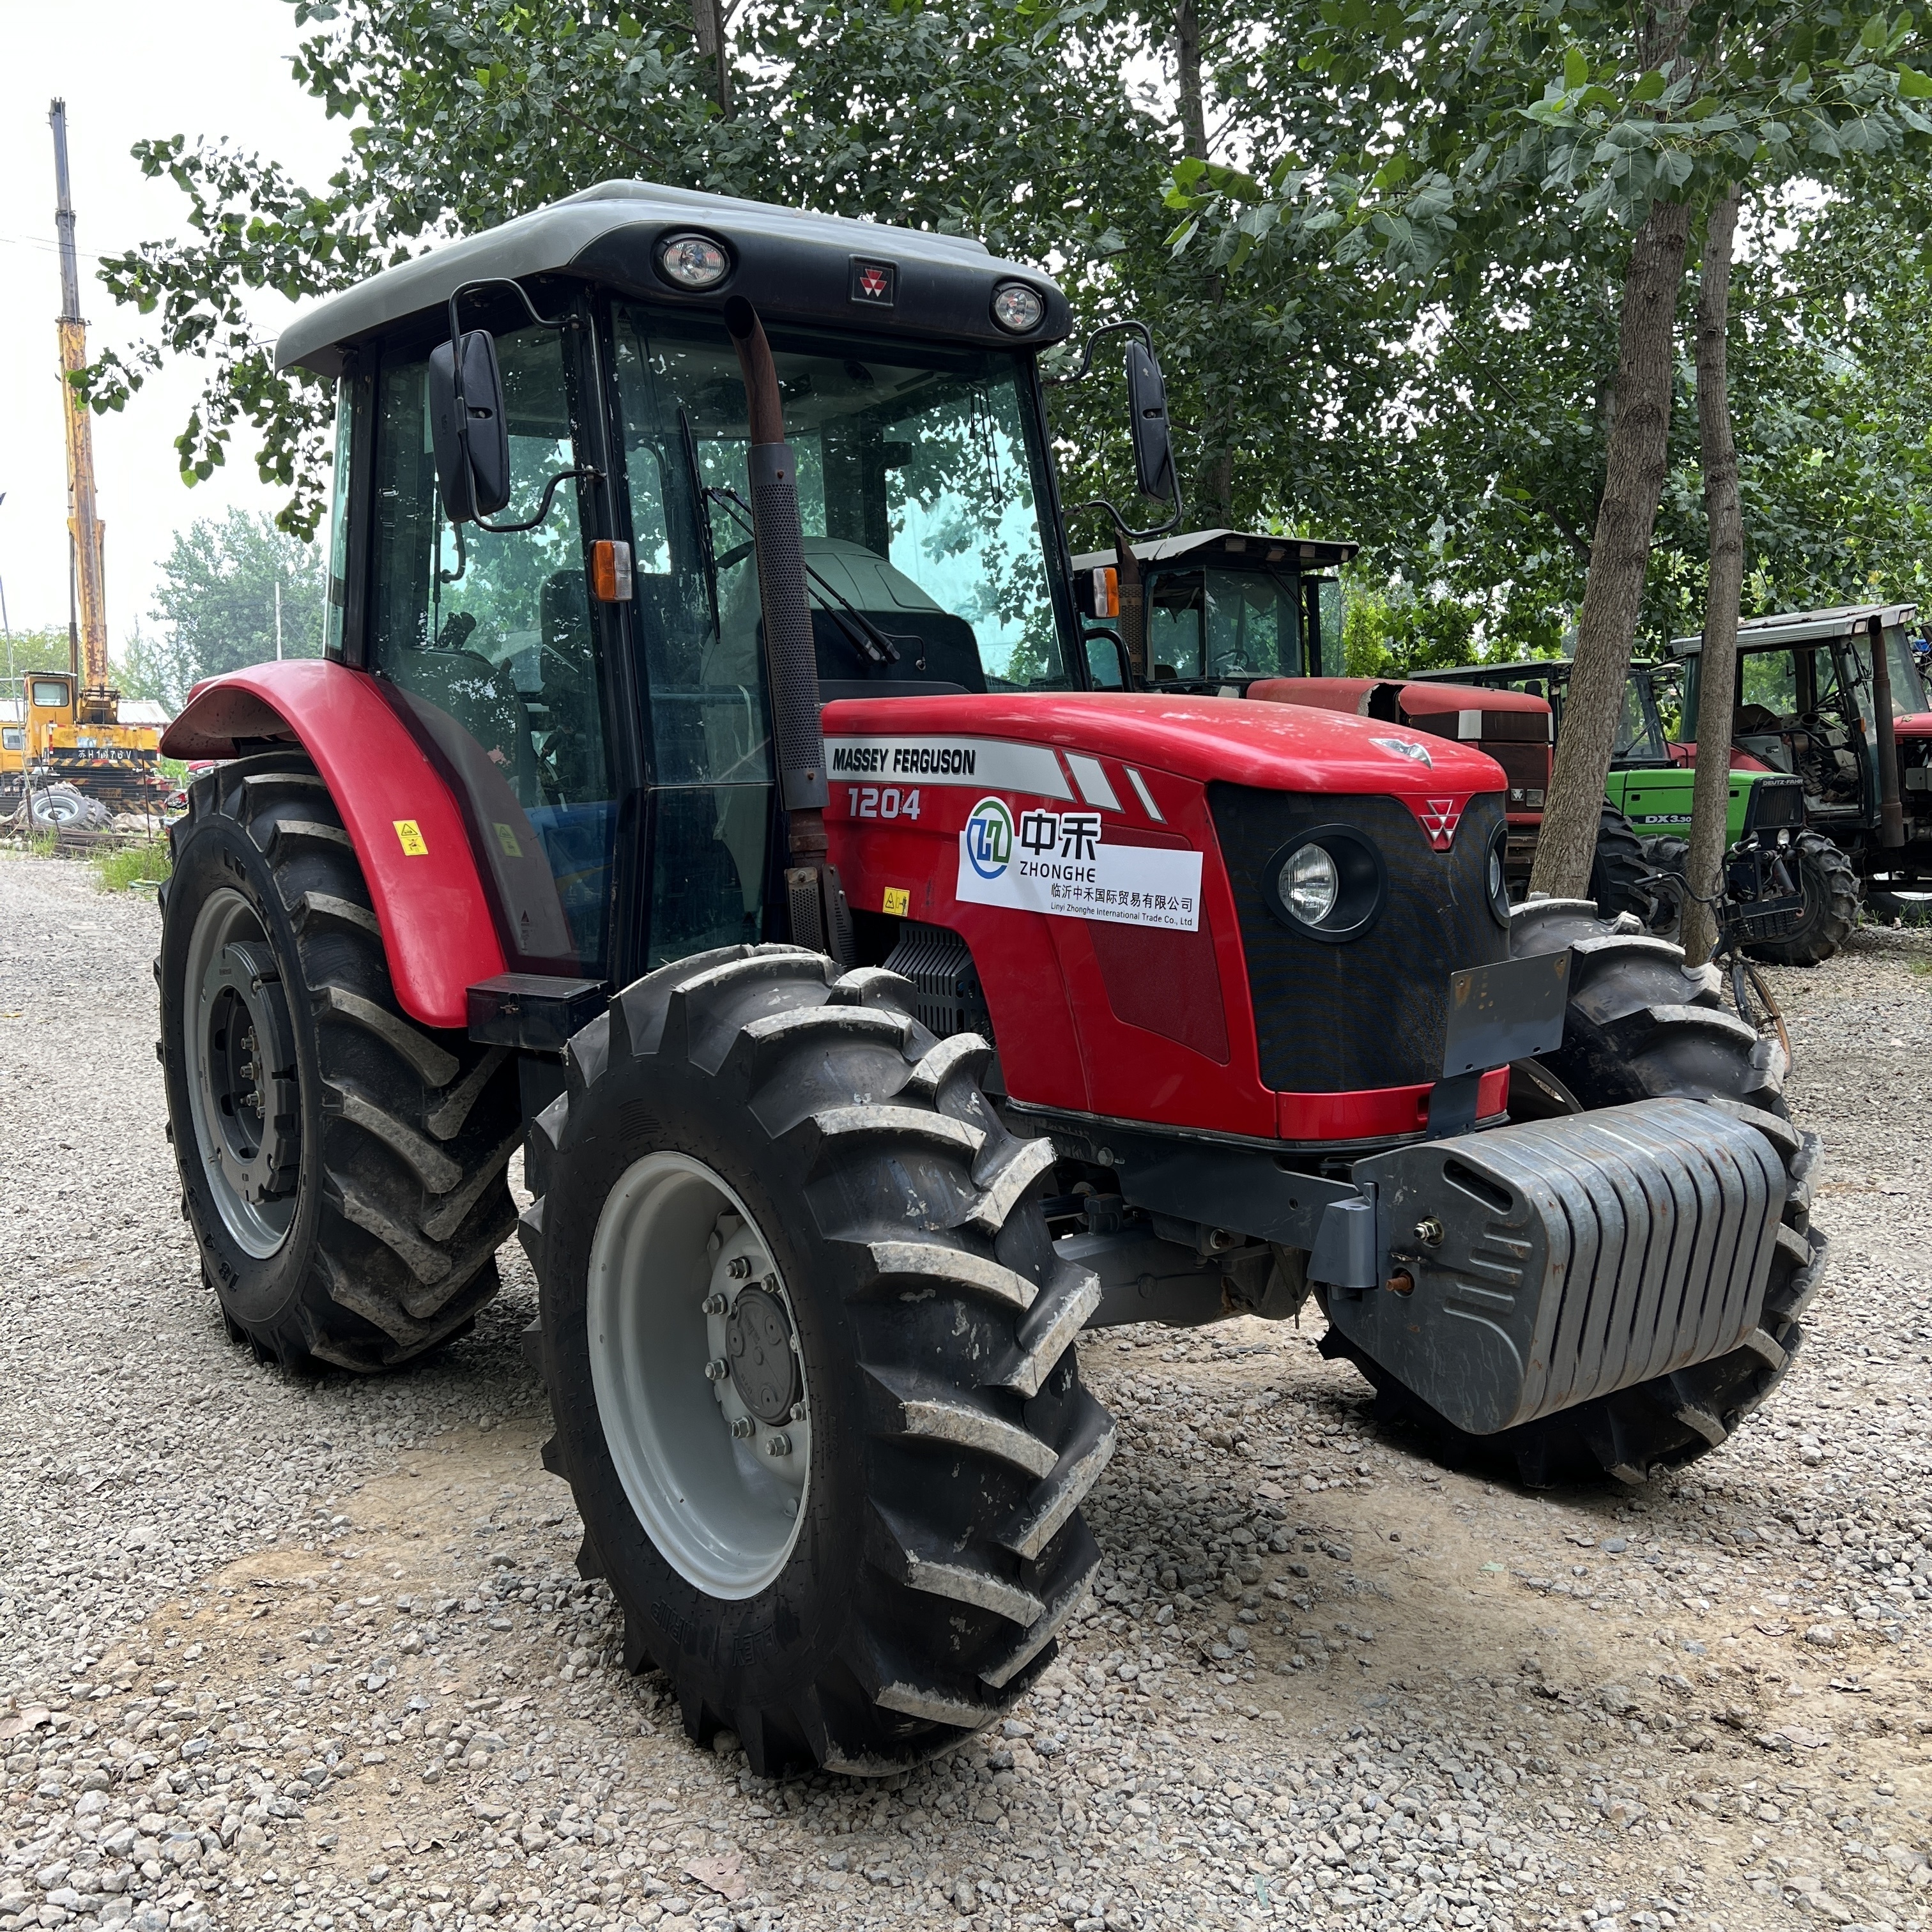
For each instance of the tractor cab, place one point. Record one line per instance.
(1834, 700)
(587, 654)
(1224, 607)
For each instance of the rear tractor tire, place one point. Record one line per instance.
(1618, 872)
(341, 1165)
(1641, 1025)
(812, 1359)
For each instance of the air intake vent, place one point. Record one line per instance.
(938, 963)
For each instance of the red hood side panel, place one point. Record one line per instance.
(1076, 1028)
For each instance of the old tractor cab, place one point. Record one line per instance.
(1832, 702)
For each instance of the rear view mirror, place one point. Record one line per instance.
(468, 428)
(1147, 404)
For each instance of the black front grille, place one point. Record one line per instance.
(1776, 804)
(1369, 1013)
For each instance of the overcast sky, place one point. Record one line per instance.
(212, 67)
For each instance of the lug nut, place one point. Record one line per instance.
(716, 1370)
(771, 1284)
(779, 1445)
(1428, 1231)
(714, 1304)
(740, 1267)
(742, 1426)
(798, 1411)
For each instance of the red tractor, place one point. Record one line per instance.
(1246, 614)
(705, 791)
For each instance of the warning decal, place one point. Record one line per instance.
(1059, 862)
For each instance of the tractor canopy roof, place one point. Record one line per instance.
(1806, 627)
(790, 265)
(1238, 550)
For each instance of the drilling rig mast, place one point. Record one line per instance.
(74, 738)
(84, 529)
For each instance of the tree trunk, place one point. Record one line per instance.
(1710, 797)
(1187, 66)
(1637, 461)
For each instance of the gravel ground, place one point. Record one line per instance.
(315, 1654)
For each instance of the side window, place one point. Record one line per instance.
(1174, 621)
(490, 638)
(335, 610)
(1767, 683)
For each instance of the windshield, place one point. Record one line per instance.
(1908, 687)
(1639, 736)
(919, 491)
(1210, 622)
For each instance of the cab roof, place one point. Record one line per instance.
(1237, 549)
(791, 265)
(1805, 627)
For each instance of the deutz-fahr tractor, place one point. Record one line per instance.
(1247, 615)
(704, 791)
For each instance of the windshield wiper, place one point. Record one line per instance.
(865, 636)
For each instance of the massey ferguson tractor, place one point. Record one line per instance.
(705, 791)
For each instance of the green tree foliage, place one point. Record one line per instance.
(1400, 326)
(215, 605)
(45, 649)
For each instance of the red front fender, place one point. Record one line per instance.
(407, 830)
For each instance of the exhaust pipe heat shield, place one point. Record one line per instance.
(1555, 1261)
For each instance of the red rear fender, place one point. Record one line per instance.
(406, 829)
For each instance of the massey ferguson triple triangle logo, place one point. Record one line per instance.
(1439, 818)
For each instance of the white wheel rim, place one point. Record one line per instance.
(259, 1228)
(719, 1488)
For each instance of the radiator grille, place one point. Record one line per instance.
(1370, 1013)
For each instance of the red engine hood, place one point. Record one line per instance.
(1914, 724)
(1278, 747)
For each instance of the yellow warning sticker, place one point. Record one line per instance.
(507, 839)
(898, 902)
(410, 834)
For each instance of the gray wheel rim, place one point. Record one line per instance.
(58, 807)
(259, 1227)
(718, 1487)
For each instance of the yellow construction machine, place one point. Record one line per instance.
(66, 733)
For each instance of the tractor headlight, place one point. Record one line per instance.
(693, 261)
(1495, 880)
(1308, 884)
(1329, 883)
(1017, 307)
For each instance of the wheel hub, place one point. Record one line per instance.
(244, 1090)
(758, 1347)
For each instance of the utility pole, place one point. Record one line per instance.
(89, 629)
(278, 620)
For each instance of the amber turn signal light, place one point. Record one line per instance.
(610, 572)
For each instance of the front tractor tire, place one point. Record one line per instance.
(1832, 891)
(1641, 1025)
(341, 1165)
(811, 1356)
